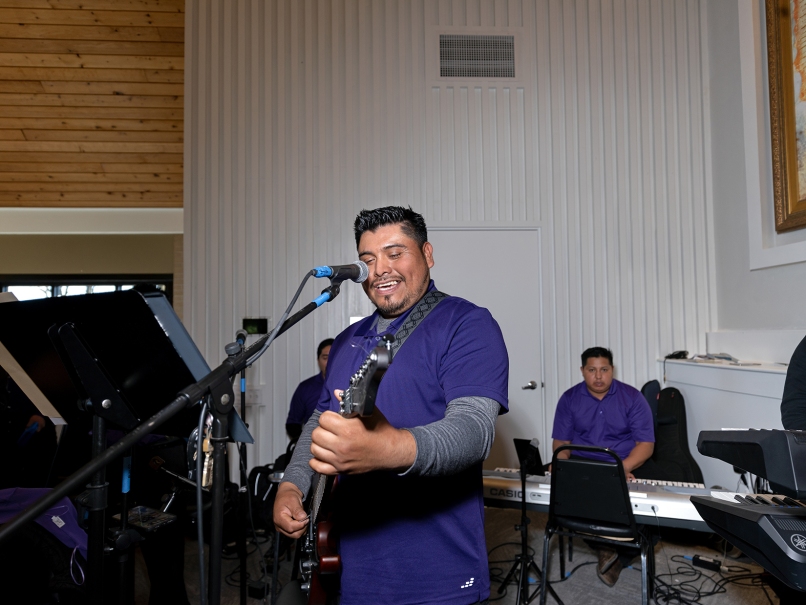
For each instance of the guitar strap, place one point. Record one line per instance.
(417, 315)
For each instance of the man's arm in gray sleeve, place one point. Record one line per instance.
(298, 471)
(458, 441)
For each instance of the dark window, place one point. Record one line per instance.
(30, 287)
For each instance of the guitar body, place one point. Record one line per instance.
(321, 565)
(324, 576)
(326, 547)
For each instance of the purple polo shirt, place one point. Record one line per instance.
(305, 399)
(616, 422)
(410, 539)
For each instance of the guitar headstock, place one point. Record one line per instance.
(359, 398)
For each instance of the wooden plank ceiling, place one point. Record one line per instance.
(91, 103)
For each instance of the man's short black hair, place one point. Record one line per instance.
(597, 352)
(412, 223)
(325, 343)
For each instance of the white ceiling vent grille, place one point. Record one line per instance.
(464, 56)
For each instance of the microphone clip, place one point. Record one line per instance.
(328, 294)
(333, 289)
(236, 347)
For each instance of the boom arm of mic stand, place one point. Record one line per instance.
(260, 347)
(328, 294)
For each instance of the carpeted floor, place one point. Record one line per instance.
(583, 587)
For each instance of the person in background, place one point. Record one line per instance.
(793, 417)
(604, 412)
(793, 402)
(305, 398)
(27, 439)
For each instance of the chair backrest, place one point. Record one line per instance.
(591, 492)
(672, 453)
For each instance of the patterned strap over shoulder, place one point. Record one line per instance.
(418, 314)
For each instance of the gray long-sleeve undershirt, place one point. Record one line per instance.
(445, 447)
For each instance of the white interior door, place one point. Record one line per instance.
(500, 270)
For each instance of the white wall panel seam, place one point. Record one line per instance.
(710, 251)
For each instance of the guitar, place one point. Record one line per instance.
(320, 562)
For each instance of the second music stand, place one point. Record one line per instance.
(530, 464)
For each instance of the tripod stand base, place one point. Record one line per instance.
(524, 564)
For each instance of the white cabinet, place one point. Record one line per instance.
(721, 396)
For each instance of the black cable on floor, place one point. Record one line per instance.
(699, 584)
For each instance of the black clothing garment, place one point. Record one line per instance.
(293, 431)
(650, 470)
(793, 403)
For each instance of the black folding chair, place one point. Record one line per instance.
(590, 499)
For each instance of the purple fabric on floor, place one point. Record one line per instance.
(16, 499)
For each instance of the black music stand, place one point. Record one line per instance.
(530, 464)
(118, 358)
(215, 388)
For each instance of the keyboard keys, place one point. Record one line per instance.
(662, 483)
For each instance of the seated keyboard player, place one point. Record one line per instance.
(601, 411)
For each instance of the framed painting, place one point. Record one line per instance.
(786, 57)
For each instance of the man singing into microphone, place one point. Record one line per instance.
(409, 508)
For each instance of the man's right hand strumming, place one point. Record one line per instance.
(290, 517)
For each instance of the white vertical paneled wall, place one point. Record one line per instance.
(299, 113)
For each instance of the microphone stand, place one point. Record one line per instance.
(244, 494)
(222, 400)
(218, 386)
(243, 491)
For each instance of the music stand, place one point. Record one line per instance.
(216, 389)
(122, 356)
(530, 464)
(529, 456)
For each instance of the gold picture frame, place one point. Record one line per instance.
(786, 65)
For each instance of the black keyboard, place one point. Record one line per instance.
(770, 529)
(778, 456)
(772, 534)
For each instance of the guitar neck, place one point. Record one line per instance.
(317, 495)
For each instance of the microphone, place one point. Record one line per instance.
(356, 272)
(240, 337)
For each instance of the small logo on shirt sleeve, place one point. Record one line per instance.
(468, 584)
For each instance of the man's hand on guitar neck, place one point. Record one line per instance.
(289, 514)
(360, 445)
